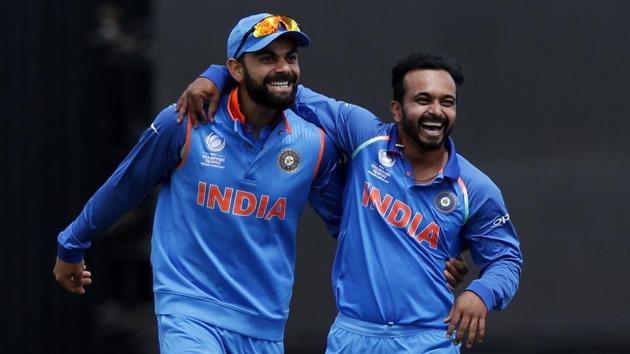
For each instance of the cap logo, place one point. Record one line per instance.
(288, 160)
(214, 142)
(445, 202)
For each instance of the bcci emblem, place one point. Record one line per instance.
(445, 202)
(289, 160)
(385, 159)
(214, 142)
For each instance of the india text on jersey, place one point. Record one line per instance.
(399, 215)
(239, 202)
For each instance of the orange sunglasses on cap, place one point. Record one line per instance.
(267, 26)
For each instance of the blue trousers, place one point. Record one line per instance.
(183, 335)
(349, 336)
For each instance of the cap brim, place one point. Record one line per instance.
(301, 40)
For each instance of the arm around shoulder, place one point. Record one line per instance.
(348, 125)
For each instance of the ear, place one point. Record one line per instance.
(236, 69)
(396, 108)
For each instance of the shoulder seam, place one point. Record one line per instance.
(369, 142)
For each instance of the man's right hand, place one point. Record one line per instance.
(72, 276)
(468, 314)
(191, 101)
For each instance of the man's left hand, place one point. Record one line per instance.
(191, 101)
(455, 271)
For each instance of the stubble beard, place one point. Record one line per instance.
(260, 94)
(413, 132)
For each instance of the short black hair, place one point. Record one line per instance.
(419, 61)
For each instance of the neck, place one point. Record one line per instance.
(426, 164)
(255, 114)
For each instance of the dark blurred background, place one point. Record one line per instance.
(543, 112)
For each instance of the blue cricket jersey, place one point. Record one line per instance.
(223, 244)
(396, 235)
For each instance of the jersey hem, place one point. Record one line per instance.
(219, 315)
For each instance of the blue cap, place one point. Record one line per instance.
(252, 43)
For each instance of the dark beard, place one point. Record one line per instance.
(413, 132)
(261, 95)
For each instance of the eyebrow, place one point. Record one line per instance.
(423, 93)
(267, 51)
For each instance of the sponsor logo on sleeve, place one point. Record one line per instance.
(501, 220)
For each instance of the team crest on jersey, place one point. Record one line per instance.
(385, 159)
(289, 160)
(214, 142)
(445, 202)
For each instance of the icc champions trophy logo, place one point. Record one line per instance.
(214, 142)
(385, 159)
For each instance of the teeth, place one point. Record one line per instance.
(279, 83)
(432, 124)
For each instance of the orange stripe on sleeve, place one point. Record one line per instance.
(187, 143)
(322, 143)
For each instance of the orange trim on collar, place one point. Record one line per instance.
(234, 110)
(233, 107)
(286, 123)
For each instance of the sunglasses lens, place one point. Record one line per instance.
(270, 25)
(289, 23)
(265, 27)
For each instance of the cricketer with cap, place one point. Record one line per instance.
(410, 202)
(223, 244)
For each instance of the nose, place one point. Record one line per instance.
(435, 108)
(282, 65)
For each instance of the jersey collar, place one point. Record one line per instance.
(234, 110)
(450, 170)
